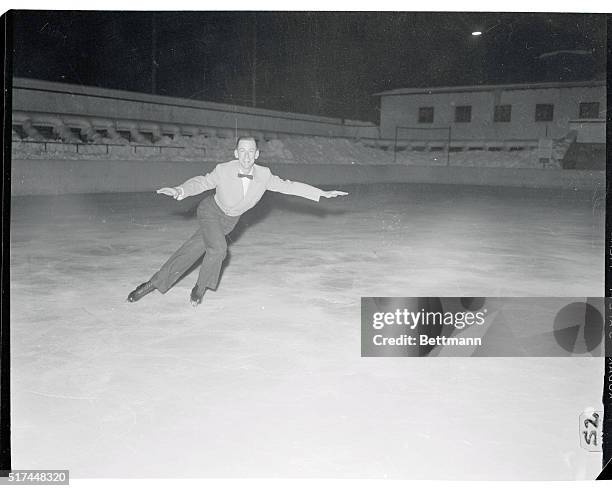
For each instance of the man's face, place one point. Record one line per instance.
(246, 153)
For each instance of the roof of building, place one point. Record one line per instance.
(489, 88)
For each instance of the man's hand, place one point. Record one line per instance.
(176, 193)
(333, 194)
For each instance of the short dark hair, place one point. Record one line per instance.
(240, 138)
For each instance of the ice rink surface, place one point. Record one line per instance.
(265, 378)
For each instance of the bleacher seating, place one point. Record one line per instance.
(49, 136)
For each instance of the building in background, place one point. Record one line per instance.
(505, 113)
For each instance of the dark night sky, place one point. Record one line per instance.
(327, 63)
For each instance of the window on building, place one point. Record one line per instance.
(426, 114)
(589, 110)
(503, 113)
(544, 112)
(463, 114)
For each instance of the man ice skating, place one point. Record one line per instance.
(239, 185)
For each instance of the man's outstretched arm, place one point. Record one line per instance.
(307, 191)
(193, 186)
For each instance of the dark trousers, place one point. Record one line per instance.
(208, 240)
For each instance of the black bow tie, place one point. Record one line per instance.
(248, 176)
